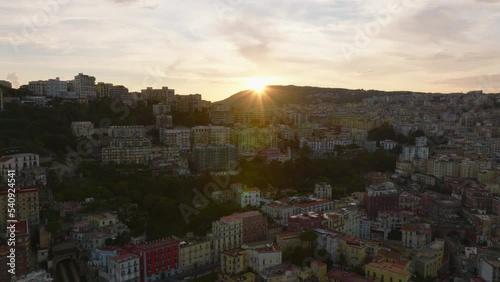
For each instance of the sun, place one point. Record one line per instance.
(258, 84)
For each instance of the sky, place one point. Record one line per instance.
(215, 47)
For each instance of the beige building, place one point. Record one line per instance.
(27, 206)
(195, 253)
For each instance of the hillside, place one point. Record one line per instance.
(278, 95)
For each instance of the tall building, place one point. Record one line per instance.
(211, 135)
(127, 146)
(163, 95)
(119, 92)
(180, 137)
(188, 103)
(57, 88)
(214, 158)
(381, 197)
(195, 252)
(102, 89)
(85, 86)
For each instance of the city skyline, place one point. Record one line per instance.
(221, 47)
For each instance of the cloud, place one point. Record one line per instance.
(489, 83)
(14, 79)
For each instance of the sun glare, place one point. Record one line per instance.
(257, 84)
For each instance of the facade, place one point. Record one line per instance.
(127, 151)
(306, 221)
(18, 162)
(163, 95)
(195, 253)
(161, 109)
(211, 135)
(164, 121)
(414, 152)
(416, 236)
(279, 211)
(119, 92)
(226, 234)
(84, 86)
(254, 226)
(214, 158)
(27, 206)
(158, 260)
(248, 197)
(23, 248)
(264, 256)
(188, 103)
(323, 190)
(234, 261)
(38, 88)
(124, 268)
(381, 197)
(82, 128)
(127, 131)
(57, 88)
(180, 137)
(102, 89)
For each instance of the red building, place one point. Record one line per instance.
(478, 199)
(158, 259)
(254, 226)
(381, 197)
(306, 221)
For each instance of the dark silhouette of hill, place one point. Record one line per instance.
(278, 95)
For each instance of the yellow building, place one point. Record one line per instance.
(102, 220)
(227, 234)
(27, 206)
(386, 271)
(318, 269)
(195, 253)
(353, 250)
(429, 259)
(234, 262)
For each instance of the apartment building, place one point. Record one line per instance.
(163, 95)
(27, 206)
(82, 128)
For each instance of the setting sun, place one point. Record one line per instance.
(257, 84)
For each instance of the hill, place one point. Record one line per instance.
(279, 95)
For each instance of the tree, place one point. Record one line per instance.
(342, 259)
(308, 236)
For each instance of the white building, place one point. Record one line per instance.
(414, 152)
(57, 88)
(248, 196)
(84, 86)
(124, 268)
(323, 190)
(211, 135)
(262, 256)
(279, 211)
(388, 145)
(82, 128)
(18, 162)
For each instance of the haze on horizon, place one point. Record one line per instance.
(215, 47)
